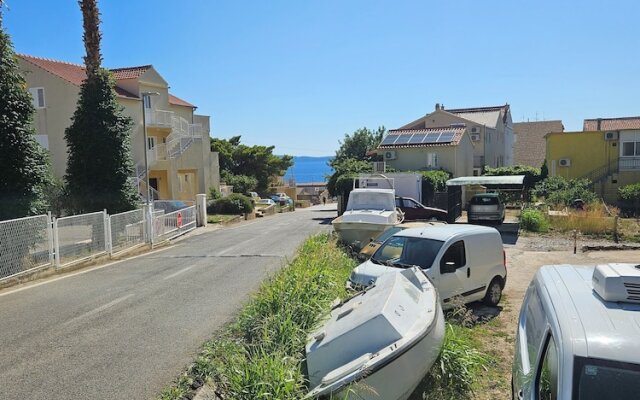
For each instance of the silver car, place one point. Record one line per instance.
(485, 207)
(578, 334)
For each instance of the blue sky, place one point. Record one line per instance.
(301, 74)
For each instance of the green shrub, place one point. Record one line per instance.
(533, 220)
(235, 203)
(214, 194)
(561, 192)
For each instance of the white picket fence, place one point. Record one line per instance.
(28, 244)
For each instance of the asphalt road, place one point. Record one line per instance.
(127, 330)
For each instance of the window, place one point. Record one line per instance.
(43, 140)
(432, 160)
(401, 251)
(147, 101)
(596, 379)
(151, 142)
(630, 149)
(455, 254)
(38, 97)
(547, 378)
(409, 203)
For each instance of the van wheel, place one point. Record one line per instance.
(494, 293)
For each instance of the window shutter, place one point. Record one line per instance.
(34, 96)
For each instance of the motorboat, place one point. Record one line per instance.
(380, 343)
(369, 212)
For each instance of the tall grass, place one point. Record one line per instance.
(260, 355)
(595, 220)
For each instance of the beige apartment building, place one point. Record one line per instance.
(180, 161)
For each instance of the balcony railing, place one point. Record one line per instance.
(159, 118)
(626, 164)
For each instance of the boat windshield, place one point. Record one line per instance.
(406, 252)
(596, 379)
(371, 201)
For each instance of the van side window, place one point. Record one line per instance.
(535, 324)
(455, 254)
(547, 377)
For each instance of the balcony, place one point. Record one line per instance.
(629, 164)
(159, 118)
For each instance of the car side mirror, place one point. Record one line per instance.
(449, 267)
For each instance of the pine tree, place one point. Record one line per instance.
(23, 162)
(99, 165)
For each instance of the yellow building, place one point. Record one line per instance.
(180, 160)
(607, 152)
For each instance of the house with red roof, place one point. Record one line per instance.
(177, 147)
(462, 141)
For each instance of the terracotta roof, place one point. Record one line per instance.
(530, 146)
(176, 101)
(458, 134)
(75, 73)
(611, 124)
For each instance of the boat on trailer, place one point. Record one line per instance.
(370, 211)
(380, 343)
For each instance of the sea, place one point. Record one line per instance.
(306, 169)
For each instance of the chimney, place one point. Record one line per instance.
(599, 124)
(437, 106)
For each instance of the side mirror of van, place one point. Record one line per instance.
(449, 267)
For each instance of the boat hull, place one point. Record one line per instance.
(358, 234)
(399, 378)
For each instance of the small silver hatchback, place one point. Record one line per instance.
(578, 334)
(485, 207)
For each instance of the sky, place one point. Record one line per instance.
(300, 75)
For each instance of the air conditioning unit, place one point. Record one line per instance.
(475, 129)
(379, 167)
(564, 162)
(390, 155)
(475, 138)
(611, 135)
(617, 282)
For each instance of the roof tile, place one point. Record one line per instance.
(611, 124)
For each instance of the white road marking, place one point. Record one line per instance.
(177, 273)
(84, 271)
(99, 309)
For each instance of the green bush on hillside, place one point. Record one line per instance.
(235, 203)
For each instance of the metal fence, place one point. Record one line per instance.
(126, 230)
(40, 241)
(25, 244)
(170, 225)
(79, 237)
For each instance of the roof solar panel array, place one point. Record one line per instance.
(418, 138)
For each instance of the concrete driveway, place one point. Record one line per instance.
(126, 330)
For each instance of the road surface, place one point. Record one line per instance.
(127, 330)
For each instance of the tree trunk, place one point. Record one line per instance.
(92, 36)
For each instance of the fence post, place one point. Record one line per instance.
(50, 237)
(201, 210)
(107, 236)
(56, 243)
(148, 219)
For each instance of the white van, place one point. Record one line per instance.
(578, 334)
(461, 260)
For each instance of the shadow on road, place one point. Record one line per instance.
(509, 232)
(323, 221)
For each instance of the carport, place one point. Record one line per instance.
(501, 183)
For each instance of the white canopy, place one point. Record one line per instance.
(501, 180)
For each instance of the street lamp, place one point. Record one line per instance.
(146, 97)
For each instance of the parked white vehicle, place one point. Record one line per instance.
(380, 343)
(461, 260)
(578, 334)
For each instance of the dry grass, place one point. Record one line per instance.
(597, 219)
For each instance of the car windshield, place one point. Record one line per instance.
(405, 252)
(484, 200)
(387, 234)
(605, 380)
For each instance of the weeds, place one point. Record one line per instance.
(261, 354)
(533, 220)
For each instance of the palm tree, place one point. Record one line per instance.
(91, 36)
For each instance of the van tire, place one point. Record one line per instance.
(494, 292)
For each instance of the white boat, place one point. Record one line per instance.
(380, 343)
(369, 213)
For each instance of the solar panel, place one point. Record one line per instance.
(431, 137)
(446, 137)
(403, 139)
(389, 139)
(417, 138)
